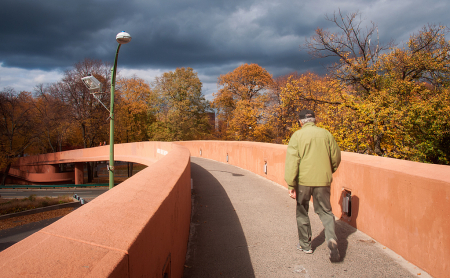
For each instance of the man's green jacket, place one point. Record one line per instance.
(312, 157)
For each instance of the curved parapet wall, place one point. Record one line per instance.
(39, 177)
(145, 153)
(43, 168)
(138, 228)
(264, 159)
(403, 205)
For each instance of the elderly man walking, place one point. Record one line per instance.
(312, 157)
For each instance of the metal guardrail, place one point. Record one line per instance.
(53, 186)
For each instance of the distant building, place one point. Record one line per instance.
(212, 120)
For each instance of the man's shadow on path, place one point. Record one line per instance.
(343, 229)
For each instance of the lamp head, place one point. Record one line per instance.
(123, 37)
(92, 83)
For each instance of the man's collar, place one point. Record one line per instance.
(308, 124)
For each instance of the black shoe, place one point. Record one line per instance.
(334, 251)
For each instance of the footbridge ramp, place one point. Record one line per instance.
(142, 226)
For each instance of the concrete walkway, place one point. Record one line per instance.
(244, 226)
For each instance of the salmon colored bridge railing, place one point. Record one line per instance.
(140, 228)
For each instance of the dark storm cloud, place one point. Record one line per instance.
(48, 34)
(212, 37)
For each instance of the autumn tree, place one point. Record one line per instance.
(133, 114)
(89, 115)
(17, 127)
(52, 120)
(416, 94)
(355, 48)
(357, 54)
(289, 95)
(241, 102)
(180, 107)
(395, 99)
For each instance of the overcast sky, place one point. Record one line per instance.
(41, 39)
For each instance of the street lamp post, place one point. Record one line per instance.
(93, 84)
(122, 38)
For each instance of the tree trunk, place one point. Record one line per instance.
(5, 173)
(377, 140)
(89, 166)
(130, 169)
(95, 169)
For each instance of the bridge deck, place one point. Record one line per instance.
(244, 226)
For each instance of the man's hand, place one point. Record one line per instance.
(292, 193)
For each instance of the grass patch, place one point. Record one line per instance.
(8, 206)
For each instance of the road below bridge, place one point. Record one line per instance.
(11, 236)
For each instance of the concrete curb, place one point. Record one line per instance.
(75, 204)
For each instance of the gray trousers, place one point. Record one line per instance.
(322, 206)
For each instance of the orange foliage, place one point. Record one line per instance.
(241, 101)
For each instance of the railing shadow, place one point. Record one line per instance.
(217, 244)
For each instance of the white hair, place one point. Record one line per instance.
(308, 120)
